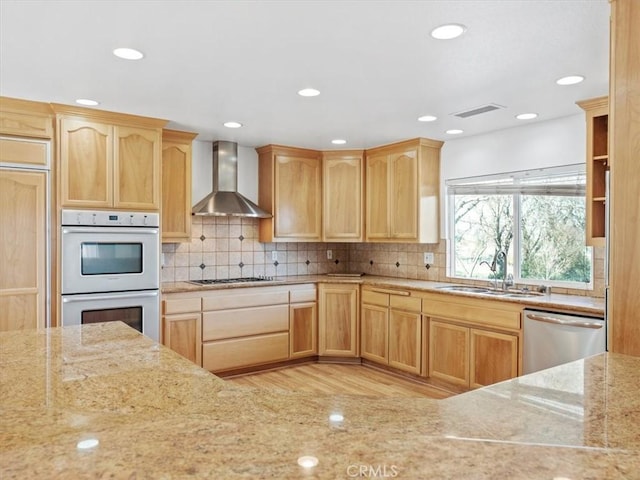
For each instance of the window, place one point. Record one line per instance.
(530, 225)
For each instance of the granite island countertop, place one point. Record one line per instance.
(103, 401)
(555, 302)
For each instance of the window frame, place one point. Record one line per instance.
(517, 233)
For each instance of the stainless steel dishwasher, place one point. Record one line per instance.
(551, 339)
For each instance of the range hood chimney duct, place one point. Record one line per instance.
(225, 200)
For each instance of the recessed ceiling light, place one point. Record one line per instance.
(232, 124)
(427, 118)
(308, 92)
(570, 80)
(307, 461)
(338, 141)
(526, 116)
(87, 102)
(128, 53)
(455, 131)
(448, 32)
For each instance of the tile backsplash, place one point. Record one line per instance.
(228, 247)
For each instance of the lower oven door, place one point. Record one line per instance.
(139, 310)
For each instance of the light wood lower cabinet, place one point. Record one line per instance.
(244, 327)
(493, 357)
(374, 333)
(449, 352)
(471, 357)
(391, 329)
(339, 321)
(303, 322)
(405, 341)
(472, 342)
(182, 327)
(245, 351)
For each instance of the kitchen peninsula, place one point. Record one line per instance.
(104, 401)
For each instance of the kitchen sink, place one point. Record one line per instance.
(466, 288)
(491, 291)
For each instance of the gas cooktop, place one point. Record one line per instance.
(214, 281)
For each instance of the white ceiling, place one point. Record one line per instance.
(375, 63)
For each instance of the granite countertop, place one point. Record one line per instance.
(103, 401)
(559, 302)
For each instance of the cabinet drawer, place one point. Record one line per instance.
(408, 304)
(250, 297)
(477, 312)
(244, 321)
(305, 294)
(181, 305)
(23, 152)
(242, 352)
(14, 123)
(375, 298)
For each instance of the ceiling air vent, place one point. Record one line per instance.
(478, 110)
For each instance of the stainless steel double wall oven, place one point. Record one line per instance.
(111, 269)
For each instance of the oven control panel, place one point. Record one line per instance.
(105, 218)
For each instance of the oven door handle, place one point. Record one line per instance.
(94, 230)
(110, 296)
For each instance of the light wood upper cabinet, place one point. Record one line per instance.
(378, 187)
(402, 192)
(108, 160)
(137, 168)
(338, 325)
(176, 185)
(25, 118)
(597, 117)
(23, 210)
(290, 187)
(342, 196)
(86, 163)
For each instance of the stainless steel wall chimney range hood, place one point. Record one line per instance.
(225, 199)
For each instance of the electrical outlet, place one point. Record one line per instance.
(428, 258)
(274, 256)
(329, 254)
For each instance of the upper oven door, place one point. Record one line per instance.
(109, 259)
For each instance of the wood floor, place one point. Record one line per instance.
(329, 378)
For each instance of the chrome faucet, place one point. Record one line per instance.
(494, 268)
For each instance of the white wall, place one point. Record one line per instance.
(543, 144)
(202, 166)
(550, 143)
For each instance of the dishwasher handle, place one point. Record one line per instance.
(560, 321)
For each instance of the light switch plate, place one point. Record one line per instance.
(274, 256)
(329, 254)
(429, 258)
